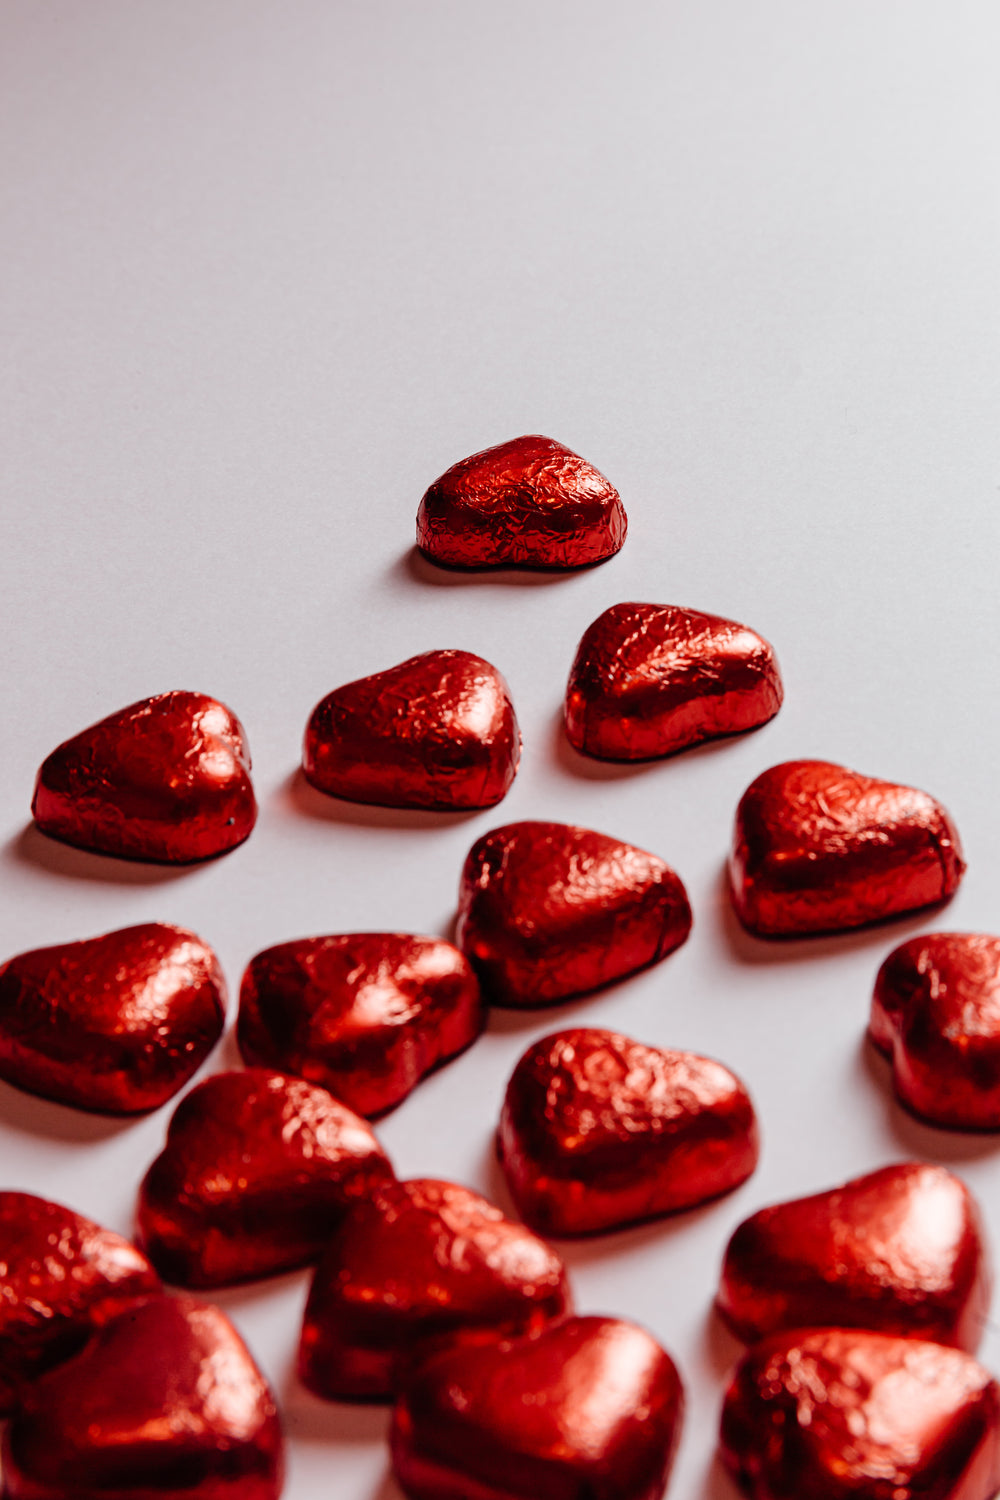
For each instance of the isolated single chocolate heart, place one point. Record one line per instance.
(819, 848)
(366, 1015)
(547, 911)
(585, 1409)
(652, 679)
(528, 503)
(599, 1131)
(417, 1261)
(437, 731)
(255, 1175)
(899, 1251)
(166, 779)
(165, 1401)
(116, 1023)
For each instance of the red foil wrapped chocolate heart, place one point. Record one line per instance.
(166, 779)
(547, 911)
(652, 679)
(166, 1402)
(437, 731)
(599, 1131)
(117, 1023)
(529, 503)
(841, 1414)
(366, 1015)
(899, 1251)
(585, 1409)
(818, 848)
(255, 1175)
(418, 1261)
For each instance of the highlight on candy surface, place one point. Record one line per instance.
(528, 503)
(436, 731)
(419, 1261)
(819, 848)
(116, 1023)
(166, 779)
(598, 1131)
(651, 679)
(899, 1251)
(547, 911)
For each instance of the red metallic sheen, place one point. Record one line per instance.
(585, 1409)
(528, 503)
(819, 848)
(115, 1024)
(547, 911)
(420, 1261)
(651, 679)
(598, 1131)
(256, 1173)
(841, 1414)
(900, 1251)
(165, 780)
(166, 1401)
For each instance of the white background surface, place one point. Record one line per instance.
(268, 270)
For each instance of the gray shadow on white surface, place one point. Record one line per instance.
(506, 1019)
(296, 793)
(918, 1139)
(414, 567)
(311, 1419)
(722, 1349)
(32, 847)
(491, 1182)
(609, 1245)
(29, 1115)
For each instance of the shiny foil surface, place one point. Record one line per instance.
(166, 780)
(841, 1414)
(420, 1261)
(899, 1251)
(437, 731)
(62, 1276)
(585, 1409)
(651, 679)
(255, 1175)
(529, 503)
(115, 1024)
(598, 1131)
(936, 1014)
(166, 1401)
(819, 848)
(547, 911)
(366, 1015)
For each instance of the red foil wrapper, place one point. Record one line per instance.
(115, 1024)
(420, 1261)
(899, 1251)
(586, 1409)
(547, 911)
(529, 503)
(256, 1173)
(839, 1414)
(437, 731)
(166, 780)
(598, 1131)
(166, 1402)
(818, 848)
(365, 1015)
(652, 679)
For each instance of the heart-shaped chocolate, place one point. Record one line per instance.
(818, 848)
(166, 779)
(117, 1023)
(585, 1409)
(366, 1015)
(547, 911)
(528, 503)
(598, 1131)
(900, 1251)
(165, 1401)
(437, 731)
(255, 1175)
(652, 679)
(417, 1261)
(841, 1414)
